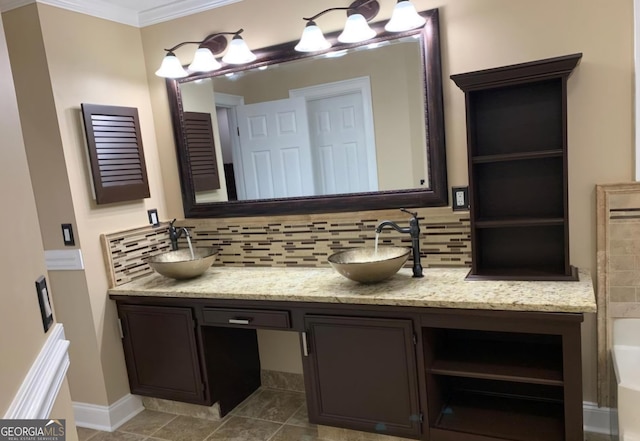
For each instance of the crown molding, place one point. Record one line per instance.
(179, 9)
(7, 5)
(108, 11)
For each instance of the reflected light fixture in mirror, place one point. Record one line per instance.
(204, 59)
(356, 30)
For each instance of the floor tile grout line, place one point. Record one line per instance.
(158, 429)
(258, 419)
(90, 436)
(294, 413)
(275, 433)
(224, 420)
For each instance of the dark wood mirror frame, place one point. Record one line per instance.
(435, 195)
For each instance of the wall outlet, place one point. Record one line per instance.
(460, 198)
(153, 217)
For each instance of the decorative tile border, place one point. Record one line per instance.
(125, 252)
(305, 241)
(618, 279)
(308, 240)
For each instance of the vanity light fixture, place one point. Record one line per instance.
(404, 18)
(204, 59)
(356, 29)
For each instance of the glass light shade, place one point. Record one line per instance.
(356, 29)
(171, 67)
(312, 39)
(239, 52)
(204, 61)
(404, 18)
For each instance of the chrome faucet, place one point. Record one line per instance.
(175, 234)
(414, 230)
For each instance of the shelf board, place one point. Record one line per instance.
(534, 363)
(520, 222)
(501, 417)
(540, 154)
(539, 273)
(500, 373)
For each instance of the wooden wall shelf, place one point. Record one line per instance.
(517, 155)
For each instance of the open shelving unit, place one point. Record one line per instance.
(502, 381)
(517, 152)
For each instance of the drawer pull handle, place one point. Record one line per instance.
(239, 321)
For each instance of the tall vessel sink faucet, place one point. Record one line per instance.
(414, 230)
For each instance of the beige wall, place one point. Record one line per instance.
(65, 59)
(104, 66)
(475, 35)
(23, 257)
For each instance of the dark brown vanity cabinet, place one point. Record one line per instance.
(434, 374)
(161, 352)
(361, 374)
(517, 153)
(503, 377)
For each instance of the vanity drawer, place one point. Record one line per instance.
(249, 318)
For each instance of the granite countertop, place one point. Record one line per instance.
(439, 288)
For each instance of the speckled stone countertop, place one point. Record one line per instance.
(439, 288)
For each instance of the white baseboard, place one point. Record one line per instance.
(107, 418)
(40, 387)
(598, 419)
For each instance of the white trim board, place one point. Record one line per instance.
(598, 419)
(107, 418)
(40, 387)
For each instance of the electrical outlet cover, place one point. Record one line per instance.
(460, 199)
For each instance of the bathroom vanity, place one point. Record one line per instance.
(437, 358)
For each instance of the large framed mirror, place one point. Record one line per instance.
(355, 127)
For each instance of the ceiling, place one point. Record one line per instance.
(137, 13)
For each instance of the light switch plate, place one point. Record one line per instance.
(44, 302)
(67, 235)
(460, 198)
(153, 217)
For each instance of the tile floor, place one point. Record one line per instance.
(267, 415)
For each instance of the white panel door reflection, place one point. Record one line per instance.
(275, 149)
(339, 145)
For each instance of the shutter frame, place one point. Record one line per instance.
(201, 153)
(116, 154)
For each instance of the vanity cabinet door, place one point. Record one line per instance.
(361, 374)
(161, 352)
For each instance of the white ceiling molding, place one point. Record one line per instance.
(98, 8)
(179, 9)
(7, 5)
(114, 11)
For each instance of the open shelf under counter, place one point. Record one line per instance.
(506, 361)
(498, 417)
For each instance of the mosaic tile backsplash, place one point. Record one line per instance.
(305, 241)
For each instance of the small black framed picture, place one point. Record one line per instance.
(45, 303)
